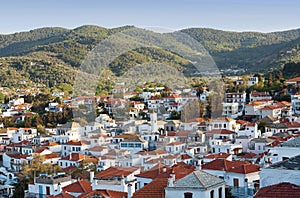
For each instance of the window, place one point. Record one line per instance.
(123, 144)
(47, 190)
(235, 182)
(131, 145)
(285, 158)
(137, 145)
(220, 192)
(212, 194)
(188, 195)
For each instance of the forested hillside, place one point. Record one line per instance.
(50, 56)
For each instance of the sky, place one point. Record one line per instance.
(232, 15)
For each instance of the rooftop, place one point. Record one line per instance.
(289, 164)
(156, 188)
(115, 172)
(198, 179)
(281, 190)
(291, 143)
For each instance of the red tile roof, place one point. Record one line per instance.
(245, 169)
(74, 157)
(81, 186)
(40, 150)
(69, 169)
(76, 143)
(231, 166)
(18, 156)
(297, 79)
(51, 156)
(175, 143)
(62, 195)
(104, 193)
(223, 119)
(116, 172)
(248, 155)
(180, 170)
(156, 188)
(185, 156)
(281, 190)
(221, 131)
(217, 156)
(184, 133)
(154, 172)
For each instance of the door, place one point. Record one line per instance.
(236, 182)
(40, 190)
(47, 190)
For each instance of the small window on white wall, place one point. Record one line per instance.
(188, 195)
(212, 194)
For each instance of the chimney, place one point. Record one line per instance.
(92, 176)
(171, 179)
(59, 188)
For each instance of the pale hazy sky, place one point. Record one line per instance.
(235, 15)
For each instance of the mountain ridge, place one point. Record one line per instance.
(251, 51)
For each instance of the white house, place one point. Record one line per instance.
(14, 161)
(46, 185)
(223, 123)
(235, 173)
(254, 95)
(283, 171)
(116, 178)
(134, 145)
(23, 134)
(196, 184)
(293, 81)
(230, 109)
(295, 99)
(286, 150)
(175, 147)
(74, 147)
(248, 129)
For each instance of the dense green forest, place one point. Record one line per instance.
(50, 56)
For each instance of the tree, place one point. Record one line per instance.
(2, 97)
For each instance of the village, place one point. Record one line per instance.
(251, 150)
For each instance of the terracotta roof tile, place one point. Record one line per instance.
(221, 131)
(175, 143)
(217, 156)
(62, 195)
(81, 186)
(51, 156)
(75, 143)
(116, 172)
(156, 188)
(104, 193)
(294, 79)
(245, 169)
(281, 190)
(221, 164)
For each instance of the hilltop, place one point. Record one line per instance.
(50, 56)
